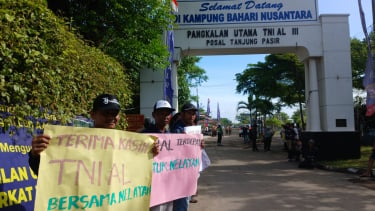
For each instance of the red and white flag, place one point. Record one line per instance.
(174, 6)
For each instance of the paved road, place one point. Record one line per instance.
(240, 179)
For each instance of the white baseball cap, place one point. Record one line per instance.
(163, 104)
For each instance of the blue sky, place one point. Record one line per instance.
(221, 70)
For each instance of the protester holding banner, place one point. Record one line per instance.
(105, 113)
(162, 115)
(187, 118)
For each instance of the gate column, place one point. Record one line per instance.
(176, 63)
(307, 97)
(313, 96)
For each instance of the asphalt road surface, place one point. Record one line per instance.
(240, 179)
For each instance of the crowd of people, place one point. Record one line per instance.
(305, 154)
(250, 136)
(106, 114)
(290, 134)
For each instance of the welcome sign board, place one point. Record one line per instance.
(237, 12)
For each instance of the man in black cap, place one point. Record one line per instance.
(187, 118)
(106, 111)
(105, 114)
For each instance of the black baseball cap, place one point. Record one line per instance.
(189, 107)
(106, 102)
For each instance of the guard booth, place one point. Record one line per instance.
(321, 41)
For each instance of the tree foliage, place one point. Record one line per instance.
(274, 122)
(225, 122)
(245, 105)
(296, 116)
(189, 75)
(279, 78)
(44, 65)
(358, 57)
(243, 118)
(284, 117)
(130, 31)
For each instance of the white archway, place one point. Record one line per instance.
(275, 26)
(256, 27)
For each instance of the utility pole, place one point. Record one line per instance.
(373, 15)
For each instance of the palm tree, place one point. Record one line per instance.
(246, 105)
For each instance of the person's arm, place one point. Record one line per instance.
(202, 144)
(38, 145)
(155, 148)
(34, 163)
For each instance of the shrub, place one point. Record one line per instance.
(45, 65)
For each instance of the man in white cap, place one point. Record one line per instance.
(162, 115)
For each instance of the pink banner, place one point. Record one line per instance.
(176, 168)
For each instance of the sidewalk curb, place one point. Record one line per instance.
(342, 170)
(350, 170)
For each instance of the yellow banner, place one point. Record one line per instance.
(94, 169)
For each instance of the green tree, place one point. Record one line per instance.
(279, 78)
(363, 123)
(44, 65)
(297, 117)
(243, 118)
(189, 75)
(130, 31)
(225, 122)
(249, 105)
(358, 57)
(274, 122)
(282, 116)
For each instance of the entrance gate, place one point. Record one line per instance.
(322, 42)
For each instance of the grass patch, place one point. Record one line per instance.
(354, 163)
